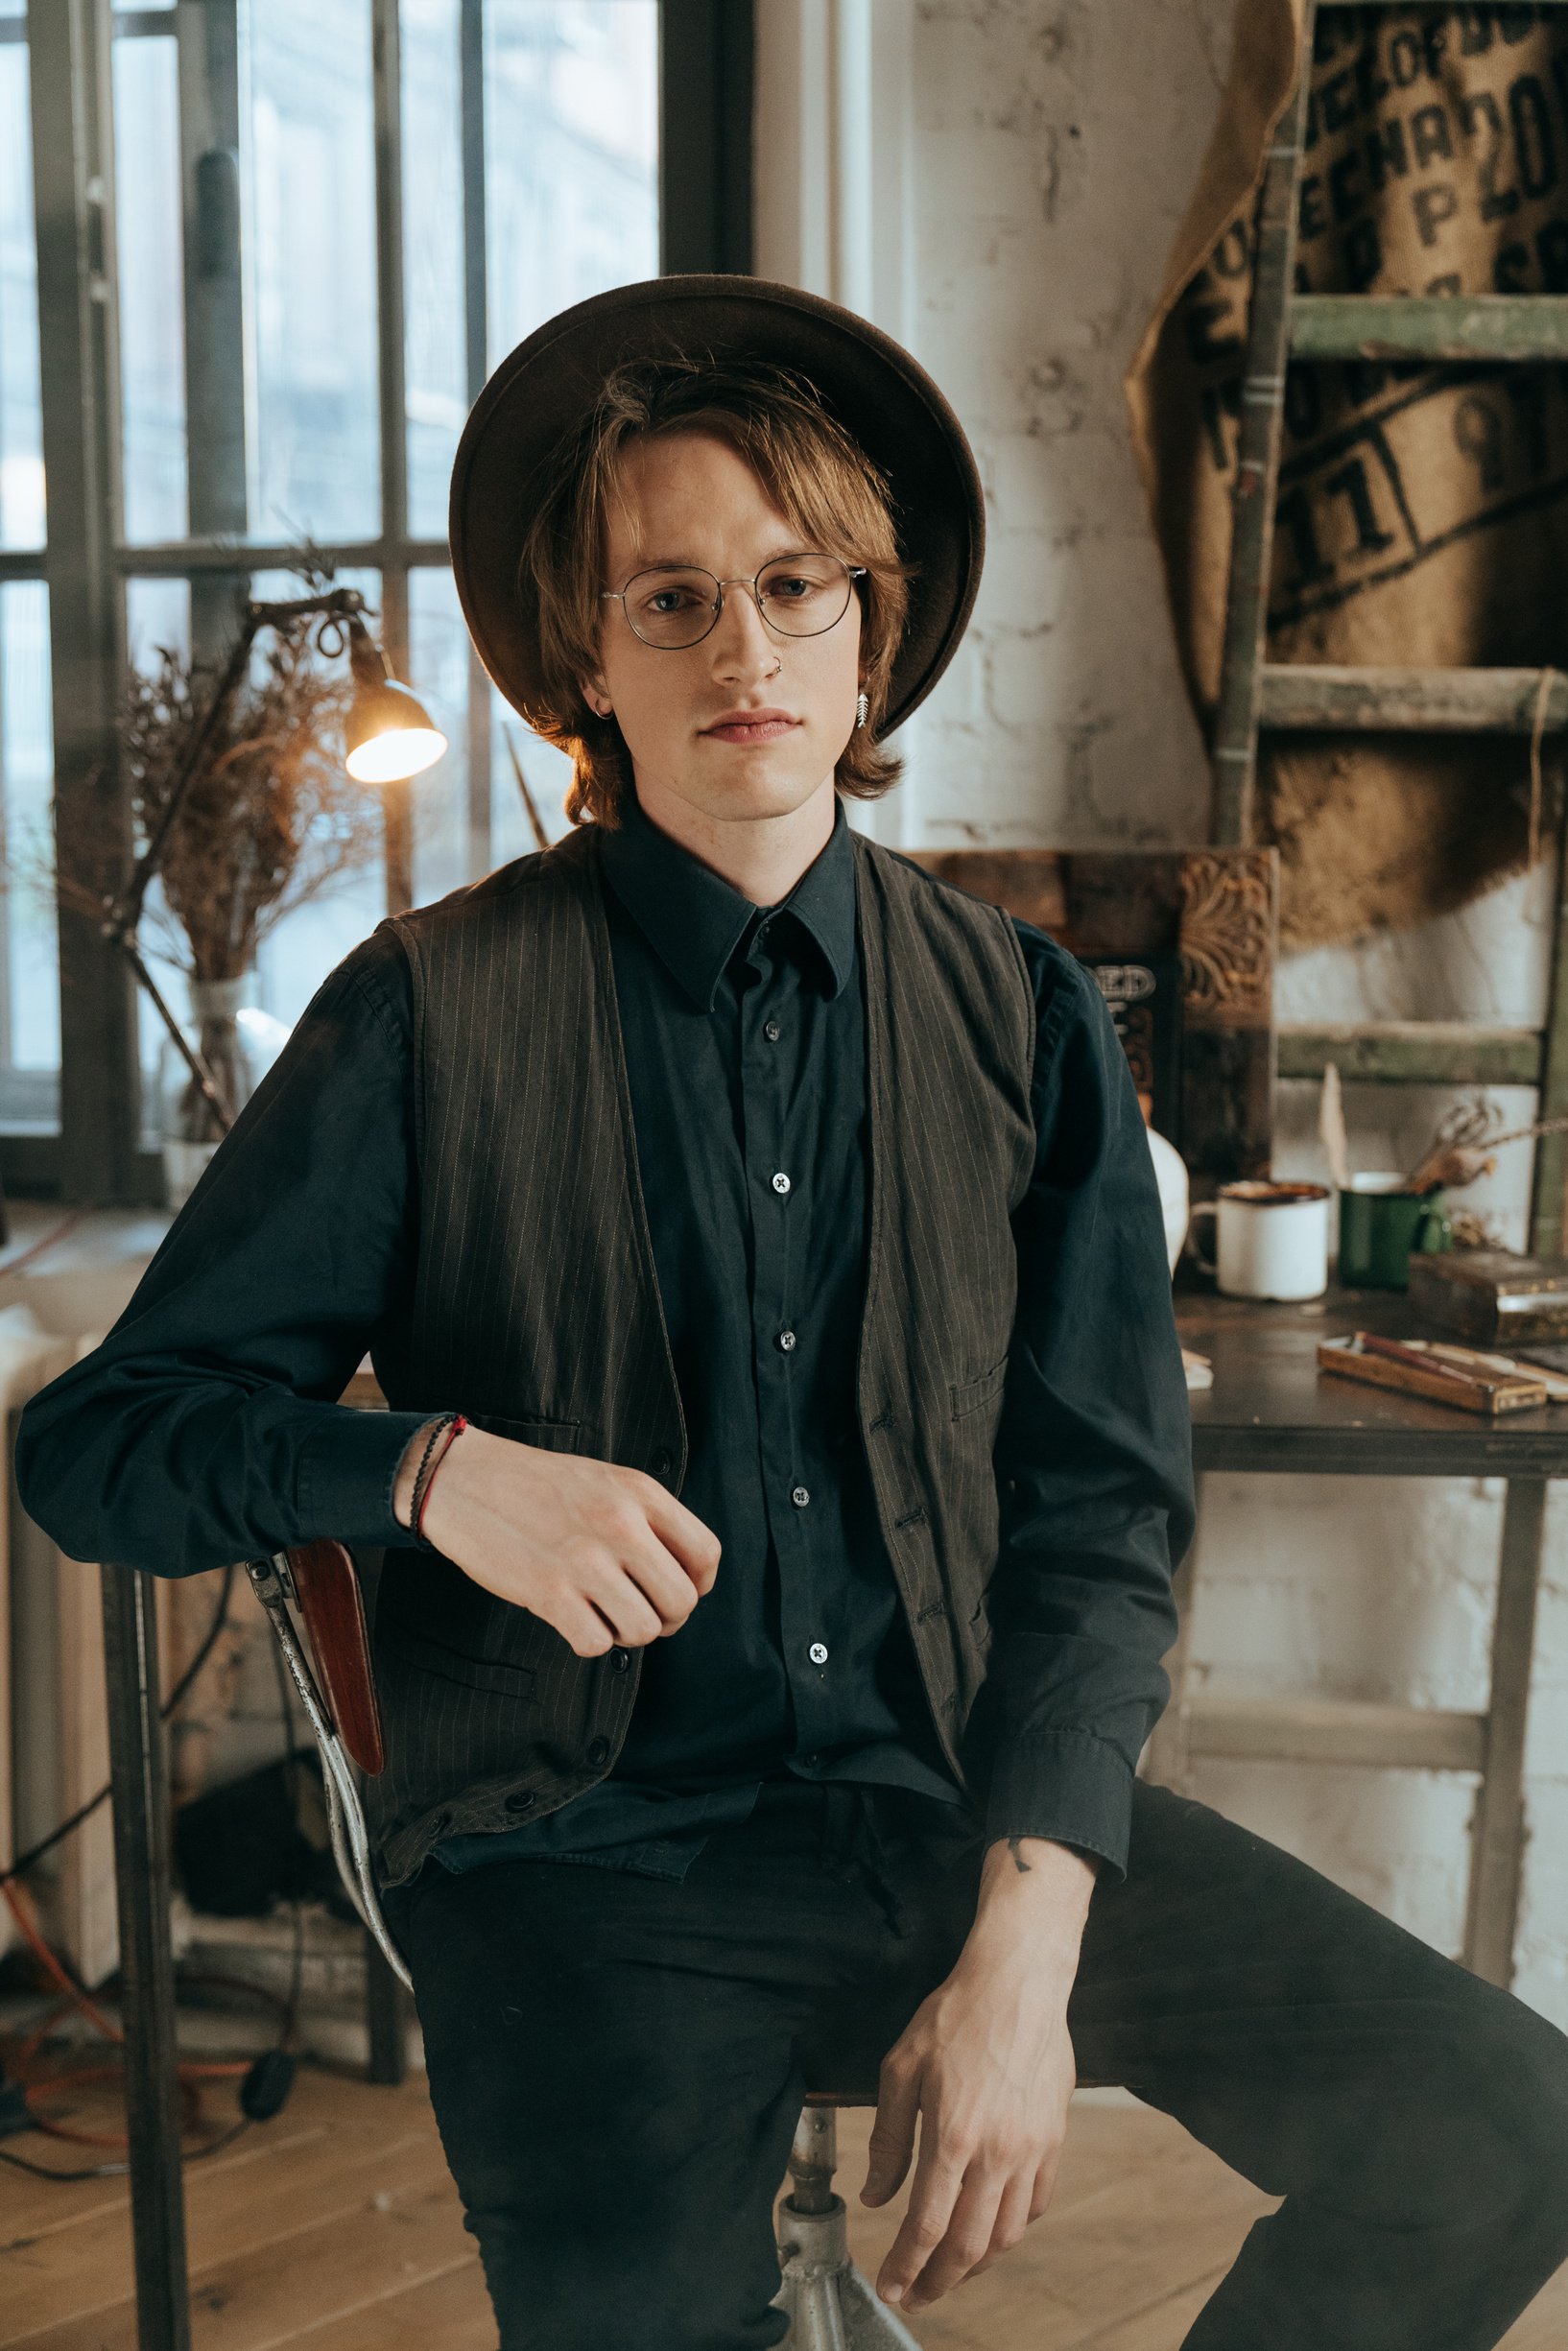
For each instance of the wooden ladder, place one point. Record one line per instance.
(1255, 693)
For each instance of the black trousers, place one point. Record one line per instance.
(617, 2064)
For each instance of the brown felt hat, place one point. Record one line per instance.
(883, 398)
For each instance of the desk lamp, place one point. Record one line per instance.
(390, 738)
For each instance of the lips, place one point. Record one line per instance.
(750, 726)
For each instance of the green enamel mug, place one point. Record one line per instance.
(1383, 1225)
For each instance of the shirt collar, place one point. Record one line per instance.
(694, 921)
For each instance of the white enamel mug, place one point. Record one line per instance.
(1270, 1239)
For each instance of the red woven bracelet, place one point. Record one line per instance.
(459, 1424)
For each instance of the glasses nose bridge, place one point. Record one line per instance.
(750, 587)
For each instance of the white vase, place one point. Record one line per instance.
(1174, 1193)
(239, 1043)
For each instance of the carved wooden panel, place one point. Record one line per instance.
(1217, 910)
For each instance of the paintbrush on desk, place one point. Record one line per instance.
(1412, 1369)
(1476, 1359)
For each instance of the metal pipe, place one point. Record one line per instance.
(143, 1883)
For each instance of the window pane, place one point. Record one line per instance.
(434, 363)
(21, 432)
(309, 233)
(157, 613)
(444, 856)
(29, 968)
(571, 114)
(152, 305)
(547, 773)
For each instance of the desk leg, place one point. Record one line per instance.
(142, 1888)
(1498, 1832)
(1168, 1758)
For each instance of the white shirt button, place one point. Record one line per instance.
(817, 1653)
(800, 1495)
(781, 1182)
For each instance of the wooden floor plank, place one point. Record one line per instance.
(243, 2211)
(446, 2311)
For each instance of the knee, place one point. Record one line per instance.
(1507, 2121)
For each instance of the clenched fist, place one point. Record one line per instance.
(602, 1554)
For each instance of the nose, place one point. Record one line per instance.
(741, 640)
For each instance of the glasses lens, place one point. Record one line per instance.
(804, 594)
(671, 608)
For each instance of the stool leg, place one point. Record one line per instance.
(831, 2306)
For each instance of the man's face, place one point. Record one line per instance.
(689, 498)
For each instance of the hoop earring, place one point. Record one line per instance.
(862, 704)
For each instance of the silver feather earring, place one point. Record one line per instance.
(862, 704)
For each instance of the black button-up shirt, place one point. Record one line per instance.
(204, 1429)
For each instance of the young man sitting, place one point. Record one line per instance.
(767, 1652)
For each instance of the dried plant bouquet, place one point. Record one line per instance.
(271, 817)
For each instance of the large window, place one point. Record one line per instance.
(324, 226)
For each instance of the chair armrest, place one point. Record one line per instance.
(331, 1609)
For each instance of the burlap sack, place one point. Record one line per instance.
(1421, 516)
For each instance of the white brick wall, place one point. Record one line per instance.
(1049, 151)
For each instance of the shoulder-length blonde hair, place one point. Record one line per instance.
(815, 474)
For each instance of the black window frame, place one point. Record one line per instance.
(706, 53)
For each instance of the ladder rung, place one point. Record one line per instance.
(1432, 701)
(1411, 1052)
(1429, 326)
(1335, 1731)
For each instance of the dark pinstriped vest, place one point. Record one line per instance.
(537, 1308)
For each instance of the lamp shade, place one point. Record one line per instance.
(389, 735)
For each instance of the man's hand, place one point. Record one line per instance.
(602, 1554)
(986, 2064)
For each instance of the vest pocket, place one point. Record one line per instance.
(551, 1433)
(425, 1655)
(968, 1395)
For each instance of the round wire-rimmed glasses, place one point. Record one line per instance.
(675, 606)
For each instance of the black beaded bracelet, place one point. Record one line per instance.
(438, 1429)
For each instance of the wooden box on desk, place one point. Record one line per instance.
(1217, 913)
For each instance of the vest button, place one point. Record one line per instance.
(520, 1799)
(621, 1660)
(661, 1461)
(599, 1752)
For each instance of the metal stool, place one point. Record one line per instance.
(831, 2305)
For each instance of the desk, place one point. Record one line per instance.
(1272, 1409)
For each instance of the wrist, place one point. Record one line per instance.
(1038, 1889)
(424, 1455)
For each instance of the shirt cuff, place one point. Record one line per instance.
(347, 1470)
(1071, 1786)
